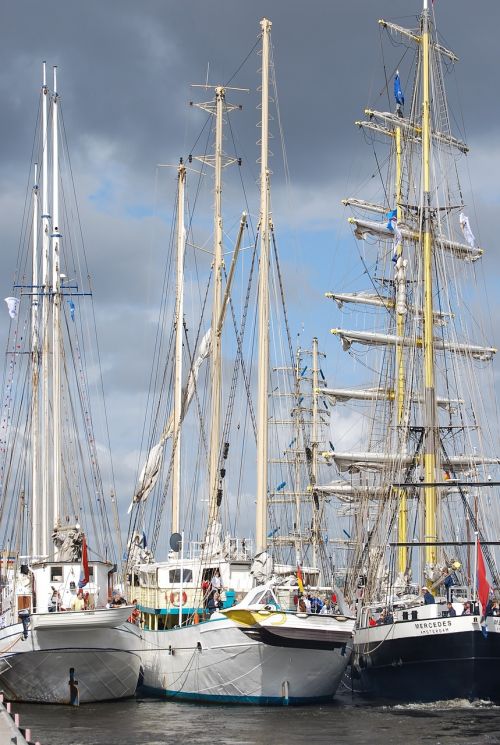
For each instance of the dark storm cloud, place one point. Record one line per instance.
(124, 73)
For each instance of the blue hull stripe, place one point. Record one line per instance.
(145, 690)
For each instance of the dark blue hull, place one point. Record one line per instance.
(430, 668)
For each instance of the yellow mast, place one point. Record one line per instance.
(400, 375)
(430, 532)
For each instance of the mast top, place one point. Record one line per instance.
(266, 24)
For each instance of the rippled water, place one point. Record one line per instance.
(347, 721)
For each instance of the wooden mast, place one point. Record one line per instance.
(216, 378)
(263, 323)
(430, 433)
(35, 381)
(179, 314)
(400, 375)
(56, 313)
(45, 454)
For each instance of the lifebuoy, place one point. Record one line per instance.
(175, 598)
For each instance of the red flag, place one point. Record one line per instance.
(483, 587)
(84, 574)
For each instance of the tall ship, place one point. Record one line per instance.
(419, 484)
(60, 642)
(224, 618)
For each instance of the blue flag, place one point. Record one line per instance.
(71, 309)
(398, 93)
(391, 216)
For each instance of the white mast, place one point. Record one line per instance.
(45, 466)
(35, 412)
(263, 355)
(56, 312)
(314, 449)
(179, 313)
(216, 393)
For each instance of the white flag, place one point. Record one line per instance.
(12, 305)
(468, 234)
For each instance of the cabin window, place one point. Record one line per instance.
(174, 576)
(91, 573)
(56, 574)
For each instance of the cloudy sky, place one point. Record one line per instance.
(125, 70)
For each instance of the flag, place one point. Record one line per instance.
(483, 587)
(466, 229)
(84, 572)
(398, 93)
(71, 309)
(300, 578)
(392, 217)
(12, 306)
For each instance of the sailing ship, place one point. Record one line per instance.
(257, 647)
(59, 640)
(420, 491)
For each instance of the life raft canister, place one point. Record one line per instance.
(175, 598)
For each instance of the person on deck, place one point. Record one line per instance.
(451, 610)
(467, 611)
(216, 582)
(428, 597)
(77, 602)
(316, 604)
(135, 616)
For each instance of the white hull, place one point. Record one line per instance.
(106, 661)
(221, 660)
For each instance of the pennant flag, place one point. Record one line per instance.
(71, 309)
(84, 572)
(281, 486)
(466, 230)
(300, 578)
(12, 306)
(272, 533)
(398, 93)
(483, 587)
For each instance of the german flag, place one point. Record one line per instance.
(300, 578)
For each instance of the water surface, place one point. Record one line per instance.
(347, 721)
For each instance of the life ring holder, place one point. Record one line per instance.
(175, 598)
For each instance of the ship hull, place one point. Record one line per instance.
(225, 661)
(431, 660)
(104, 663)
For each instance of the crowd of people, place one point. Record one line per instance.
(313, 603)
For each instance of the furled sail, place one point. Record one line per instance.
(372, 338)
(411, 129)
(347, 492)
(381, 301)
(151, 469)
(354, 462)
(372, 227)
(381, 394)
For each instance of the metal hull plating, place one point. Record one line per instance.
(219, 661)
(429, 660)
(106, 663)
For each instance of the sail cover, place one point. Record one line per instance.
(150, 472)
